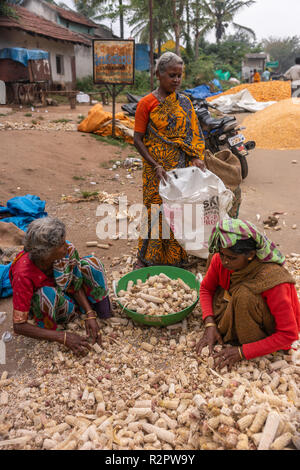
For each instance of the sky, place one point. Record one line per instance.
(279, 18)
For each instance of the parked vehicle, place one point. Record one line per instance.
(224, 132)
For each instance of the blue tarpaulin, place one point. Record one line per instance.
(5, 285)
(142, 57)
(23, 210)
(203, 91)
(19, 54)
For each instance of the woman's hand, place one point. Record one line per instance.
(198, 163)
(77, 344)
(210, 338)
(93, 330)
(161, 173)
(227, 357)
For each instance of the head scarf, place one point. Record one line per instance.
(228, 231)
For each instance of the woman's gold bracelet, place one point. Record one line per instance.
(90, 318)
(90, 312)
(209, 324)
(65, 338)
(240, 351)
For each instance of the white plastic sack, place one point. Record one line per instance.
(241, 101)
(193, 202)
(82, 97)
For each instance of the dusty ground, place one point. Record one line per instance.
(52, 164)
(57, 163)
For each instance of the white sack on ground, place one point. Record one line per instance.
(242, 101)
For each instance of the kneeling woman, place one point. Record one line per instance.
(248, 298)
(51, 284)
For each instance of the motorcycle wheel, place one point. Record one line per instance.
(244, 166)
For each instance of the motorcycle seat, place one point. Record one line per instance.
(212, 123)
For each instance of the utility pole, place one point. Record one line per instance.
(151, 44)
(121, 14)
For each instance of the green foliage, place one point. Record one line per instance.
(87, 194)
(111, 141)
(226, 56)
(201, 71)
(220, 14)
(141, 83)
(8, 10)
(285, 50)
(62, 121)
(86, 84)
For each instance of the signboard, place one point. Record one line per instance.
(113, 61)
(273, 65)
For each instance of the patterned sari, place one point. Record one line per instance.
(173, 138)
(52, 306)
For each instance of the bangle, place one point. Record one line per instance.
(90, 318)
(157, 166)
(65, 338)
(89, 311)
(209, 324)
(240, 351)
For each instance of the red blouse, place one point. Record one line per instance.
(282, 301)
(25, 278)
(143, 110)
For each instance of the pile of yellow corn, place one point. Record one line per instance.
(275, 127)
(263, 91)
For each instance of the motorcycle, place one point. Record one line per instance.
(218, 133)
(222, 133)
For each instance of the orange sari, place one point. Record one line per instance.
(173, 138)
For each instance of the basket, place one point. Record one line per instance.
(143, 274)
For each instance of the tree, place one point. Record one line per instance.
(200, 24)
(138, 18)
(177, 11)
(220, 13)
(7, 9)
(91, 8)
(285, 50)
(101, 9)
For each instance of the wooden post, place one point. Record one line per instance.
(113, 130)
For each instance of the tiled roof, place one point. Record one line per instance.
(71, 15)
(32, 23)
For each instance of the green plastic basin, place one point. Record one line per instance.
(143, 274)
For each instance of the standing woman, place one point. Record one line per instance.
(167, 136)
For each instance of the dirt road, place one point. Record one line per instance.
(56, 163)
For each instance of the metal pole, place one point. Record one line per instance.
(151, 44)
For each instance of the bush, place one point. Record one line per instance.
(199, 73)
(86, 84)
(141, 84)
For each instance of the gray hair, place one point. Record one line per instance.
(166, 60)
(42, 236)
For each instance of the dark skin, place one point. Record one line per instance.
(230, 355)
(77, 344)
(169, 82)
